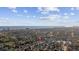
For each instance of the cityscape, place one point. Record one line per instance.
(44, 39)
(39, 29)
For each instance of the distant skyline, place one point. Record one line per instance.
(39, 16)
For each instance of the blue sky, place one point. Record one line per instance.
(39, 16)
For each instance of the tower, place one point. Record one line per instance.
(72, 33)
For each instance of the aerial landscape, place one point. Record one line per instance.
(39, 29)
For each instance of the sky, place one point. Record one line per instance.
(39, 16)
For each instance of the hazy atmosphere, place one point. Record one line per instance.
(39, 29)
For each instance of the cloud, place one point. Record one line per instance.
(44, 18)
(33, 16)
(46, 10)
(77, 8)
(3, 21)
(65, 17)
(65, 14)
(12, 22)
(19, 15)
(53, 9)
(72, 8)
(2, 18)
(54, 17)
(50, 18)
(28, 16)
(25, 11)
(72, 13)
(13, 9)
(55, 20)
